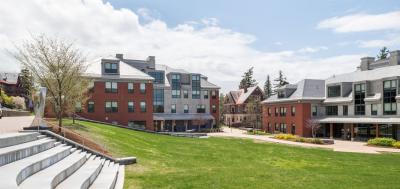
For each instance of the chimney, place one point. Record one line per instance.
(151, 60)
(365, 62)
(119, 56)
(394, 58)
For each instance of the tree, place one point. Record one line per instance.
(267, 87)
(383, 53)
(56, 65)
(221, 107)
(314, 125)
(26, 85)
(280, 81)
(247, 80)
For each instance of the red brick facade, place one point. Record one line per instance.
(298, 120)
(215, 101)
(99, 97)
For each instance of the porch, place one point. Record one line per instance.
(183, 122)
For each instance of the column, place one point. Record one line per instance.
(162, 125)
(352, 131)
(331, 130)
(376, 130)
(186, 125)
(173, 125)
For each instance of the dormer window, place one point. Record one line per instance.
(111, 68)
(281, 94)
(334, 91)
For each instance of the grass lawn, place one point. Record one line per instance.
(174, 162)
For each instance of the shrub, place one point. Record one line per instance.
(381, 141)
(19, 102)
(285, 136)
(396, 144)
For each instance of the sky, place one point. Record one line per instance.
(218, 38)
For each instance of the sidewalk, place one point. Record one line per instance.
(14, 124)
(340, 145)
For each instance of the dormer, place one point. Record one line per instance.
(342, 89)
(286, 91)
(110, 67)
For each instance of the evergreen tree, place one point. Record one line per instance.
(267, 87)
(383, 53)
(26, 82)
(247, 80)
(280, 81)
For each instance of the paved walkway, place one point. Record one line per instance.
(14, 124)
(340, 145)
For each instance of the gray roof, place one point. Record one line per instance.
(375, 74)
(307, 89)
(184, 116)
(370, 120)
(239, 96)
(125, 71)
(11, 78)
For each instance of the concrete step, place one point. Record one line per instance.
(53, 175)
(107, 177)
(84, 176)
(120, 177)
(14, 173)
(12, 139)
(13, 153)
(41, 136)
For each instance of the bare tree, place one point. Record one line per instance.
(57, 65)
(314, 125)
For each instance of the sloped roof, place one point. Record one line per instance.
(375, 74)
(208, 85)
(125, 71)
(306, 89)
(239, 96)
(9, 78)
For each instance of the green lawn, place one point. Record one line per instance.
(173, 162)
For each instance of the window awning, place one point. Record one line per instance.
(374, 98)
(177, 116)
(366, 120)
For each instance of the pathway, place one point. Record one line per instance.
(340, 145)
(14, 124)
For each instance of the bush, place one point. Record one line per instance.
(19, 102)
(285, 136)
(381, 141)
(396, 144)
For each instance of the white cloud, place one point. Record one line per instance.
(389, 41)
(362, 22)
(197, 46)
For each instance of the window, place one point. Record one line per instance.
(142, 88)
(205, 93)
(213, 94)
(111, 87)
(131, 107)
(130, 87)
(269, 112)
(359, 95)
(196, 86)
(293, 110)
(110, 67)
(281, 94)
(283, 128)
(214, 109)
(78, 107)
(293, 130)
(276, 127)
(91, 86)
(185, 94)
(111, 106)
(334, 91)
(389, 97)
(137, 124)
(345, 110)
(158, 77)
(276, 111)
(90, 108)
(314, 111)
(374, 109)
(176, 85)
(143, 106)
(185, 108)
(173, 108)
(158, 100)
(201, 108)
(331, 110)
(283, 111)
